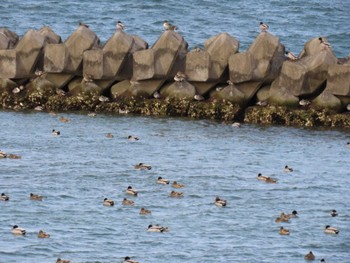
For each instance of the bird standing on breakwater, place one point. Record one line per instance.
(263, 27)
(168, 26)
(120, 26)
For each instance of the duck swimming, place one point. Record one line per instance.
(129, 260)
(127, 202)
(220, 202)
(131, 191)
(109, 135)
(35, 197)
(294, 214)
(4, 197)
(331, 230)
(142, 166)
(55, 133)
(152, 228)
(133, 138)
(18, 231)
(62, 261)
(283, 231)
(177, 185)
(42, 234)
(309, 256)
(144, 211)
(176, 194)
(108, 202)
(334, 213)
(266, 179)
(283, 218)
(288, 169)
(161, 180)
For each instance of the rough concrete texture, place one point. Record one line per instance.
(230, 93)
(220, 48)
(282, 96)
(70, 57)
(313, 47)
(338, 80)
(143, 64)
(8, 39)
(179, 90)
(20, 62)
(197, 66)
(79, 86)
(327, 100)
(261, 62)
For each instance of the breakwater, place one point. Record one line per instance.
(264, 84)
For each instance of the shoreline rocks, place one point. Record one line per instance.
(217, 82)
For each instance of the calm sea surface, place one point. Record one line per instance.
(77, 170)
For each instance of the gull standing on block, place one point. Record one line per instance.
(120, 25)
(263, 27)
(168, 26)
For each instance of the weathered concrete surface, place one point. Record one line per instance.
(261, 62)
(204, 88)
(263, 93)
(305, 77)
(229, 93)
(314, 47)
(20, 62)
(282, 96)
(107, 62)
(68, 56)
(8, 39)
(327, 100)
(136, 89)
(79, 86)
(60, 80)
(197, 66)
(220, 48)
(179, 90)
(338, 80)
(157, 62)
(50, 36)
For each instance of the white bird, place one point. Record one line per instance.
(103, 98)
(198, 97)
(220, 202)
(262, 103)
(161, 180)
(55, 133)
(169, 26)
(152, 228)
(18, 231)
(304, 102)
(291, 56)
(129, 260)
(4, 197)
(180, 76)
(324, 44)
(120, 25)
(263, 27)
(288, 169)
(156, 95)
(331, 230)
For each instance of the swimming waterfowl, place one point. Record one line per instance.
(108, 202)
(4, 197)
(3, 154)
(309, 256)
(322, 260)
(348, 144)
(331, 230)
(169, 26)
(161, 180)
(18, 231)
(120, 26)
(142, 166)
(13, 156)
(266, 179)
(127, 202)
(263, 27)
(294, 214)
(109, 135)
(334, 213)
(131, 191)
(35, 197)
(42, 234)
(283, 231)
(291, 56)
(177, 185)
(156, 228)
(283, 218)
(176, 194)
(62, 261)
(129, 260)
(220, 202)
(288, 169)
(144, 211)
(180, 76)
(133, 138)
(55, 133)
(63, 119)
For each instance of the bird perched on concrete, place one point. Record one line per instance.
(120, 25)
(180, 76)
(168, 26)
(82, 24)
(198, 97)
(325, 45)
(263, 27)
(304, 103)
(291, 56)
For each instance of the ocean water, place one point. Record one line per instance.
(295, 22)
(78, 169)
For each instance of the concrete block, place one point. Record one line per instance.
(197, 66)
(143, 64)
